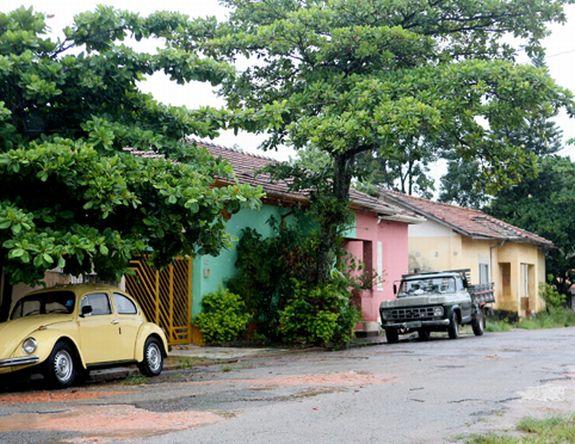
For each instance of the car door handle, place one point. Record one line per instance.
(115, 322)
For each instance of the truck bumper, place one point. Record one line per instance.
(417, 324)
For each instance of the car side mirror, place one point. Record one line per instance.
(86, 311)
(394, 288)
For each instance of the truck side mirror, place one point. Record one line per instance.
(394, 288)
(86, 311)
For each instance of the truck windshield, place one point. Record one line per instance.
(44, 303)
(414, 287)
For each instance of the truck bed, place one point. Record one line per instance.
(482, 294)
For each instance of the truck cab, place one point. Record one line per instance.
(435, 301)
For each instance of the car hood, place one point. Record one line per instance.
(424, 299)
(12, 333)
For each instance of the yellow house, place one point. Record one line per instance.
(455, 237)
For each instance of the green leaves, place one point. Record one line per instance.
(70, 197)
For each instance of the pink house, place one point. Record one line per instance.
(379, 240)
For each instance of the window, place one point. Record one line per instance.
(483, 273)
(124, 305)
(99, 302)
(53, 302)
(525, 280)
(379, 265)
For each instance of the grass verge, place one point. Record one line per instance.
(554, 430)
(550, 318)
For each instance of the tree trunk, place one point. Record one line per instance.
(6, 296)
(333, 212)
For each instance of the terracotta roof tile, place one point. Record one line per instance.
(247, 168)
(467, 221)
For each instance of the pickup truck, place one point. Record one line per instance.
(435, 301)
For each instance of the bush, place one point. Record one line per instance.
(267, 267)
(321, 315)
(552, 298)
(224, 317)
(552, 317)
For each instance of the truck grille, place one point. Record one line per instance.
(399, 314)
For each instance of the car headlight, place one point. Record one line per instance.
(29, 345)
(438, 311)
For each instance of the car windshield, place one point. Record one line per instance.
(52, 302)
(415, 287)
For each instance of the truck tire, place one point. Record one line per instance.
(478, 324)
(423, 334)
(453, 328)
(391, 335)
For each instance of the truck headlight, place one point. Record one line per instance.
(384, 315)
(29, 345)
(438, 311)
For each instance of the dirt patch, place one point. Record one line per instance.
(112, 422)
(345, 379)
(61, 396)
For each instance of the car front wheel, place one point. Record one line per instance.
(392, 335)
(453, 329)
(153, 362)
(61, 370)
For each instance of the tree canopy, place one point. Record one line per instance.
(355, 77)
(546, 205)
(70, 197)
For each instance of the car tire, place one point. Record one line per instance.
(478, 324)
(392, 335)
(153, 362)
(423, 334)
(61, 366)
(453, 328)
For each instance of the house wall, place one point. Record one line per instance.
(434, 247)
(389, 251)
(211, 273)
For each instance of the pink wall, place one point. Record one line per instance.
(394, 245)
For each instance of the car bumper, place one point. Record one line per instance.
(417, 324)
(17, 362)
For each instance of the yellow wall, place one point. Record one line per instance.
(435, 248)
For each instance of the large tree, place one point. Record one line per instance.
(349, 77)
(70, 197)
(546, 205)
(464, 183)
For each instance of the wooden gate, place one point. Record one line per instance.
(165, 296)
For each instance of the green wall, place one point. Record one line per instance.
(211, 273)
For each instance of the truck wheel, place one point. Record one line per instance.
(423, 334)
(478, 324)
(453, 329)
(392, 335)
(61, 371)
(153, 362)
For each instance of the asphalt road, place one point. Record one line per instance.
(421, 392)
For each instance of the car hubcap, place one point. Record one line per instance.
(154, 357)
(63, 365)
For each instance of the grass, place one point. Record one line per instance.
(551, 318)
(135, 380)
(554, 430)
(497, 326)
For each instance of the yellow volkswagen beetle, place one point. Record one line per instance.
(64, 332)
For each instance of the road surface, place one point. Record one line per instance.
(411, 392)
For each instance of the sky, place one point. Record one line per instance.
(560, 47)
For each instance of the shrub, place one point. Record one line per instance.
(224, 317)
(552, 298)
(321, 315)
(552, 317)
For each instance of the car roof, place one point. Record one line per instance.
(78, 289)
(431, 276)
